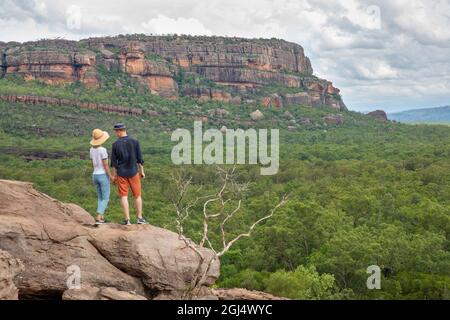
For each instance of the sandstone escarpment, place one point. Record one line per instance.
(238, 68)
(209, 94)
(154, 74)
(52, 67)
(187, 51)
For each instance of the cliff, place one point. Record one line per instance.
(231, 70)
(50, 66)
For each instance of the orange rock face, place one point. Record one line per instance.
(272, 101)
(155, 75)
(222, 96)
(53, 67)
(162, 84)
(244, 66)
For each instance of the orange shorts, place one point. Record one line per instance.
(133, 182)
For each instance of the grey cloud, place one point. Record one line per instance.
(404, 62)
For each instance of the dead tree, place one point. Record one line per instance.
(228, 203)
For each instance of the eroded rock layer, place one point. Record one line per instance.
(222, 69)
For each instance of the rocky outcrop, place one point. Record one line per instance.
(257, 115)
(211, 52)
(204, 94)
(335, 119)
(379, 115)
(154, 255)
(305, 121)
(9, 269)
(80, 104)
(52, 67)
(219, 113)
(154, 74)
(273, 100)
(54, 240)
(244, 66)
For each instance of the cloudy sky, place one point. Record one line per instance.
(389, 54)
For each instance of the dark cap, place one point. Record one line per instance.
(119, 126)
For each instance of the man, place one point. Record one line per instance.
(128, 169)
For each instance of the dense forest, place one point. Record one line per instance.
(362, 193)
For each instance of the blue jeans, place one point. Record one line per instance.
(101, 182)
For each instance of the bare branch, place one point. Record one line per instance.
(229, 216)
(248, 234)
(229, 191)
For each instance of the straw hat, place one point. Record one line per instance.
(99, 137)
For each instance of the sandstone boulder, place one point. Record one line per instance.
(288, 115)
(155, 255)
(43, 233)
(9, 269)
(256, 115)
(78, 214)
(273, 100)
(106, 54)
(336, 119)
(49, 236)
(305, 121)
(220, 112)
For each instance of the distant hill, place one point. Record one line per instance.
(430, 115)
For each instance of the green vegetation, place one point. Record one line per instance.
(278, 89)
(184, 78)
(362, 193)
(155, 57)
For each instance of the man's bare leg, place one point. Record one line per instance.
(125, 207)
(138, 204)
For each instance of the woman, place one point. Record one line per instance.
(101, 175)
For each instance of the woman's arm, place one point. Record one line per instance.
(105, 165)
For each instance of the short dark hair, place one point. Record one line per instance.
(119, 126)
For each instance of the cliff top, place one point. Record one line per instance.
(170, 38)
